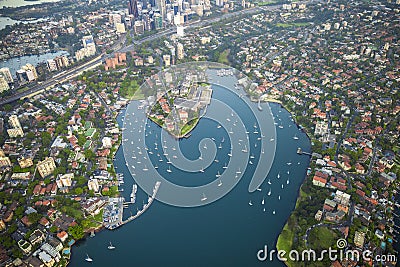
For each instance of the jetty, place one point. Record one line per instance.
(145, 206)
(301, 152)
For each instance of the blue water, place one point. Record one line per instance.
(227, 232)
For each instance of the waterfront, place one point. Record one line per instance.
(19, 3)
(226, 232)
(16, 63)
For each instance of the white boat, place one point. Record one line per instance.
(220, 146)
(287, 181)
(280, 126)
(250, 204)
(201, 170)
(238, 171)
(282, 186)
(218, 175)
(269, 181)
(205, 146)
(262, 151)
(204, 198)
(88, 259)
(250, 162)
(272, 139)
(289, 163)
(269, 192)
(262, 202)
(279, 175)
(258, 189)
(111, 247)
(219, 126)
(223, 139)
(244, 150)
(220, 183)
(145, 168)
(252, 156)
(273, 212)
(264, 209)
(279, 197)
(295, 137)
(225, 166)
(230, 154)
(288, 172)
(169, 169)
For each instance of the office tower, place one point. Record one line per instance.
(133, 8)
(158, 23)
(7, 75)
(163, 9)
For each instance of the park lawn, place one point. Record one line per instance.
(266, 3)
(322, 238)
(189, 126)
(223, 57)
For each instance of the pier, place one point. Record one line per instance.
(146, 206)
(301, 152)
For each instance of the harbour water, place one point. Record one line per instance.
(19, 3)
(16, 63)
(227, 232)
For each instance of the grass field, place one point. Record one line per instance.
(223, 57)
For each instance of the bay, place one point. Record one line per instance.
(16, 63)
(228, 232)
(19, 3)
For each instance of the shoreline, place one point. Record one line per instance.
(286, 226)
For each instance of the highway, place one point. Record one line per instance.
(119, 47)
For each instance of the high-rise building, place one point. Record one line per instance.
(163, 9)
(179, 51)
(158, 21)
(51, 65)
(7, 75)
(3, 84)
(14, 121)
(46, 167)
(133, 8)
(61, 62)
(139, 27)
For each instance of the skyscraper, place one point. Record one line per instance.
(133, 8)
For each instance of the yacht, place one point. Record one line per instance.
(145, 168)
(288, 172)
(252, 156)
(223, 139)
(262, 202)
(250, 204)
(204, 198)
(273, 212)
(169, 169)
(238, 171)
(220, 183)
(272, 139)
(264, 209)
(269, 192)
(218, 175)
(88, 259)
(250, 162)
(289, 163)
(279, 197)
(244, 150)
(280, 126)
(258, 189)
(279, 175)
(205, 146)
(230, 154)
(202, 170)
(282, 186)
(295, 137)
(220, 146)
(219, 126)
(111, 247)
(262, 151)
(287, 181)
(269, 181)
(225, 166)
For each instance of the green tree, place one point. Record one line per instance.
(76, 232)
